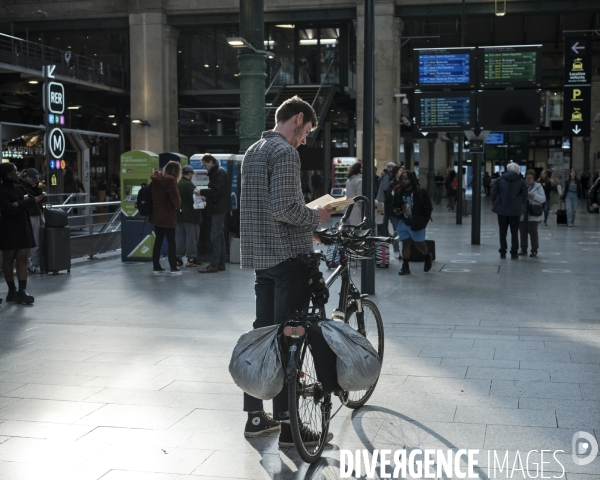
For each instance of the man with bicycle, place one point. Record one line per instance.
(275, 227)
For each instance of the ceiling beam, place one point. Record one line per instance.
(487, 8)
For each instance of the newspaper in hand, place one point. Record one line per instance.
(198, 202)
(331, 203)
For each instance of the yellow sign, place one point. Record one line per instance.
(54, 182)
(576, 95)
(63, 164)
(577, 65)
(576, 116)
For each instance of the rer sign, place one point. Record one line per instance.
(55, 95)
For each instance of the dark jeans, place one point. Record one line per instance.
(217, 239)
(158, 241)
(439, 190)
(531, 229)
(545, 207)
(280, 291)
(513, 222)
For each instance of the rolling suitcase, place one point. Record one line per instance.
(561, 215)
(417, 256)
(382, 256)
(467, 208)
(55, 249)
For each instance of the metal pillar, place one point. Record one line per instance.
(431, 172)
(368, 266)
(326, 158)
(476, 211)
(586, 154)
(459, 195)
(252, 67)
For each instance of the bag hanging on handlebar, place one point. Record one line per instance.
(256, 365)
(358, 364)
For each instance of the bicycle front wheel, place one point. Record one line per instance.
(368, 323)
(310, 407)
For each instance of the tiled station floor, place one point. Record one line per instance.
(120, 375)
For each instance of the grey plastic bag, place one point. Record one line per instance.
(358, 364)
(256, 365)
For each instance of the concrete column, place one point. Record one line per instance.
(153, 59)
(595, 133)
(387, 79)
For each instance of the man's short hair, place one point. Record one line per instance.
(512, 167)
(294, 106)
(208, 158)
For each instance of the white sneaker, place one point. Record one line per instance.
(396, 254)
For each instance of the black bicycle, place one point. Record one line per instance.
(309, 399)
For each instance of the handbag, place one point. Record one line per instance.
(535, 210)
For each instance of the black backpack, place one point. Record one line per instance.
(144, 200)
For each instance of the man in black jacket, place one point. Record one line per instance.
(30, 183)
(413, 205)
(508, 194)
(218, 202)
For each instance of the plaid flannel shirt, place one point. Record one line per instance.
(275, 223)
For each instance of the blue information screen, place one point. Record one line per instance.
(444, 69)
(445, 112)
(495, 139)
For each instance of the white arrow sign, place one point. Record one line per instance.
(49, 70)
(424, 133)
(576, 129)
(576, 48)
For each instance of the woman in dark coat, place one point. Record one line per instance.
(16, 235)
(165, 202)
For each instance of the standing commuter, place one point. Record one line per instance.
(187, 231)
(218, 202)
(570, 196)
(388, 205)
(275, 227)
(546, 184)
(30, 184)
(555, 192)
(413, 207)
(487, 183)
(508, 195)
(451, 184)
(384, 183)
(16, 235)
(594, 191)
(354, 188)
(165, 202)
(439, 187)
(530, 219)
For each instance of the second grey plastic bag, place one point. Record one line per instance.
(256, 365)
(358, 364)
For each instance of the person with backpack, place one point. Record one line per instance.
(16, 234)
(413, 207)
(451, 184)
(189, 220)
(165, 202)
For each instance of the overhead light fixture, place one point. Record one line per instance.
(33, 82)
(111, 116)
(114, 124)
(314, 41)
(74, 107)
(143, 123)
(500, 9)
(239, 42)
(287, 25)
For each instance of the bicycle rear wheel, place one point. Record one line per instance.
(310, 407)
(368, 323)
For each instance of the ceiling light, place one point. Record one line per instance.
(138, 121)
(288, 25)
(314, 41)
(500, 9)
(114, 124)
(206, 65)
(111, 116)
(33, 82)
(74, 107)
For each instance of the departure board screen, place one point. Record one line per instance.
(512, 111)
(445, 112)
(437, 68)
(517, 66)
